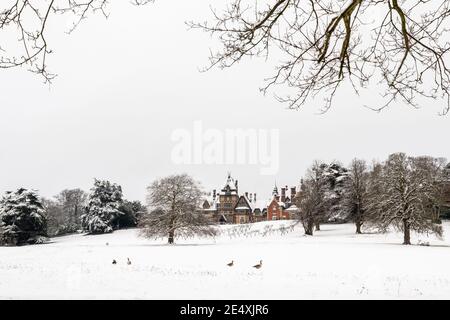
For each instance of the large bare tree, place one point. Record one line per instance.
(174, 209)
(398, 47)
(406, 195)
(356, 196)
(72, 202)
(311, 199)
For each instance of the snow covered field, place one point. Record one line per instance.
(333, 264)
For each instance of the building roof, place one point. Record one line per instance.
(293, 208)
(230, 186)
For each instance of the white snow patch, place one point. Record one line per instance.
(333, 264)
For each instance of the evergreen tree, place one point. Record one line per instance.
(102, 208)
(22, 218)
(336, 177)
(130, 213)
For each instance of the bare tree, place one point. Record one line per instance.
(307, 202)
(25, 24)
(400, 48)
(433, 171)
(311, 199)
(356, 192)
(174, 209)
(64, 211)
(72, 202)
(406, 195)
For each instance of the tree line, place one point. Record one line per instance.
(26, 218)
(404, 193)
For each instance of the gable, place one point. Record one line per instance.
(273, 203)
(206, 205)
(242, 202)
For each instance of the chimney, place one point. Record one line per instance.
(236, 184)
(251, 197)
(214, 194)
(293, 192)
(246, 195)
(254, 197)
(283, 194)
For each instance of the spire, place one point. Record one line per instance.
(230, 184)
(275, 189)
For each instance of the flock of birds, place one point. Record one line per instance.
(256, 266)
(128, 261)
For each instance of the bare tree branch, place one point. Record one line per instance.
(402, 52)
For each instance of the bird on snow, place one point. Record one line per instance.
(128, 261)
(231, 263)
(107, 244)
(114, 262)
(259, 265)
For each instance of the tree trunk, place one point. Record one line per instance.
(358, 223)
(358, 228)
(406, 232)
(358, 219)
(317, 226)
(436, 215)
(309, 227)
(171, 237)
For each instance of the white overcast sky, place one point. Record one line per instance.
(126, 83)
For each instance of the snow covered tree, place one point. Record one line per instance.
(174, 209)
(64, 211)
(72, 202)
(308, 200)
(335, 176)
(405, 194)
(446, 193)
(311, 199)
(22, 219)
(54, 215)
(356, 190)
(102, 207)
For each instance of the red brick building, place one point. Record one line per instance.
(281, 206)
(228, 206)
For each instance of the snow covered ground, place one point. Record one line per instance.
(333, 264)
